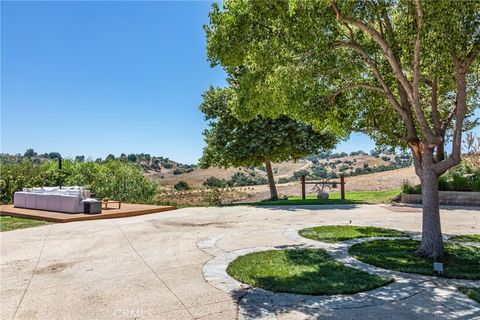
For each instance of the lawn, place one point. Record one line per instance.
(342, 233)
(354, 197)
(466, 238)
(461, 262)
(8, 223)
(472, 293)
(302, 271)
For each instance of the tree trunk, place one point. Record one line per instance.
(271, 180)
(432, 242)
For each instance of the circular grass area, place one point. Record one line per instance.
(302, 271)
(462, 262)
(472, 293)
(342, 233)
(466, 238)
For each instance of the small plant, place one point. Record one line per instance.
(181, 185)
(410, 188)
(212, 196)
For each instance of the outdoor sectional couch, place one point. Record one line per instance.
(66, 199)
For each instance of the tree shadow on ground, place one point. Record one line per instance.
(419, 304)
(308, 207)
(442, 207)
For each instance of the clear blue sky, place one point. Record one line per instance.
(95, 78)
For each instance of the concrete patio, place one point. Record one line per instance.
(150, 266)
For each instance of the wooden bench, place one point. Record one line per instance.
(106, 203)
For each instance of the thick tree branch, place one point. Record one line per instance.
(461, 108)
(417, 75)
(472, 55)
(434, 104)
(416, 61)
(375, 71)
(383, 44)
(447, 121)
(391, 58)
(334, 95)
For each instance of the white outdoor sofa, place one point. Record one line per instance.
(66, 199)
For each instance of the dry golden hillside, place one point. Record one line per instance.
(376, 181)
(198, 176)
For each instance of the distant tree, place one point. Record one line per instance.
(231, 142)
(214, 182)
(80, 158)
(110, 157)
(374, 153)
(54, 155)
(132, 157)
(168, 165)
(319, 172)
(30, 153)
(181, 185)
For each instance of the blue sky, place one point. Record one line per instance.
(95, 78)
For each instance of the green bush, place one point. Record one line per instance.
(213, 197)
(283, 180)
(240, 179)
(410, 188)
(168, 165)
(181, 185)
(115, 179)
(464, 177)
(214, 182)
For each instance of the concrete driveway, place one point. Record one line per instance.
(150, 267)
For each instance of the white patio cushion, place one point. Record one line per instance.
(71, 204)
(42, 201)
(54, 202)
(19, 199)
(31, 201)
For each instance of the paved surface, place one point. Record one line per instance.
(151, 266)
(126, 210)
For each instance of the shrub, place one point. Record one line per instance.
(116, 179)
(214, 182)
(241, 179)
(283, 180)
(213, 197)
(410, 188)
(168, 165)
(297, 175)
(181, 185)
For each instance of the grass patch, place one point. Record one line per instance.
(472, 293)
(461, 262)
(354, 197)
(8, 223)
(302, 271)
(342, 233)
(466, 238)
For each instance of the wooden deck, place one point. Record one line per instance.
(127, 210)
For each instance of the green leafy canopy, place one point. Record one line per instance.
(302, 59)
(232, 142)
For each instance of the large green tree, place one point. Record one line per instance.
(404, 72)
(260, 140)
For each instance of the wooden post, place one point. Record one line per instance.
(342, 186)
(303, 187)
